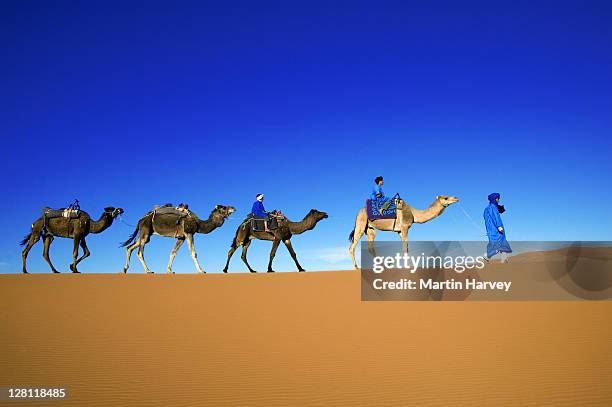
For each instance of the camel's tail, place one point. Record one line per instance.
(25, 239)
(352, 236)
(132, 237)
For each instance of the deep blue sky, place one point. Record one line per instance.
(131, 104)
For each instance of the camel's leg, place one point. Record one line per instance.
(128, 251)
(192, 250)
(34, 238)
(361, 223)
(243, 256)
(272, 254)
(371, 235)
(238, 240)
(230, 253)
(85, 251)
(47, 243)
(177, 246)
(293, 255)
(141, 247)
(75, 254)
(404, 237)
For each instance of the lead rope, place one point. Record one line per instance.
(467, 215)
(124, 222)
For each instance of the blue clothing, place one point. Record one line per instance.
(493, 198)
(258, 210)
(497, 240)
(378, 191)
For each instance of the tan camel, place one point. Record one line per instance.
(406, 216)
(171, 225)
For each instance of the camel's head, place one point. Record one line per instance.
(318, 215)
(113, 212)
(224, 211)
(447, 200)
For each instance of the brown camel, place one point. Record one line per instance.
(75, 228)
(406, 216)
(286, 229)
(166, 225)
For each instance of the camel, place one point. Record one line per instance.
(286, 229)
(75, 228)
(166, 225)
(406, 216)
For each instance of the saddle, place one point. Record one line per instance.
(181, 212)
(265, 224)
(70, 213)
(375, 211)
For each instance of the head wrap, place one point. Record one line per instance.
(493, 197)
(493, 200)
(259, 197)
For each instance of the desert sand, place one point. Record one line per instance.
(291, 339)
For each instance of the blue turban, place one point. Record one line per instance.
(493, 198)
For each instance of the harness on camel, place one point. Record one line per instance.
(71, 212)
(181, 212)
(377, 210)
(268, 224)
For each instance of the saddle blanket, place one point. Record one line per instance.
(171, 210)
(373, 209)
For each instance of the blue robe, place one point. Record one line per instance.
(378, 191)
(258, 210)
(497, 240)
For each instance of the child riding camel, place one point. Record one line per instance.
(379, 196)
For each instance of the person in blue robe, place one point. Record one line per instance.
(495, 229)
(378, 195)
(258, 209)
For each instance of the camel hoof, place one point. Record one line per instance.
(201, 272)
(25, 272)
(56, 272)
(169, 272)
(225, 270)
(270, 271)
(150, 272)
(301, 270)
(253, 271)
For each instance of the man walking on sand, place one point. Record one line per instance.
(495, 229)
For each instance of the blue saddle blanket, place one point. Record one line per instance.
(373, 209)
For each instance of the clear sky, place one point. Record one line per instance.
(130, 104)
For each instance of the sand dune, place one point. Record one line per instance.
(294, 339)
